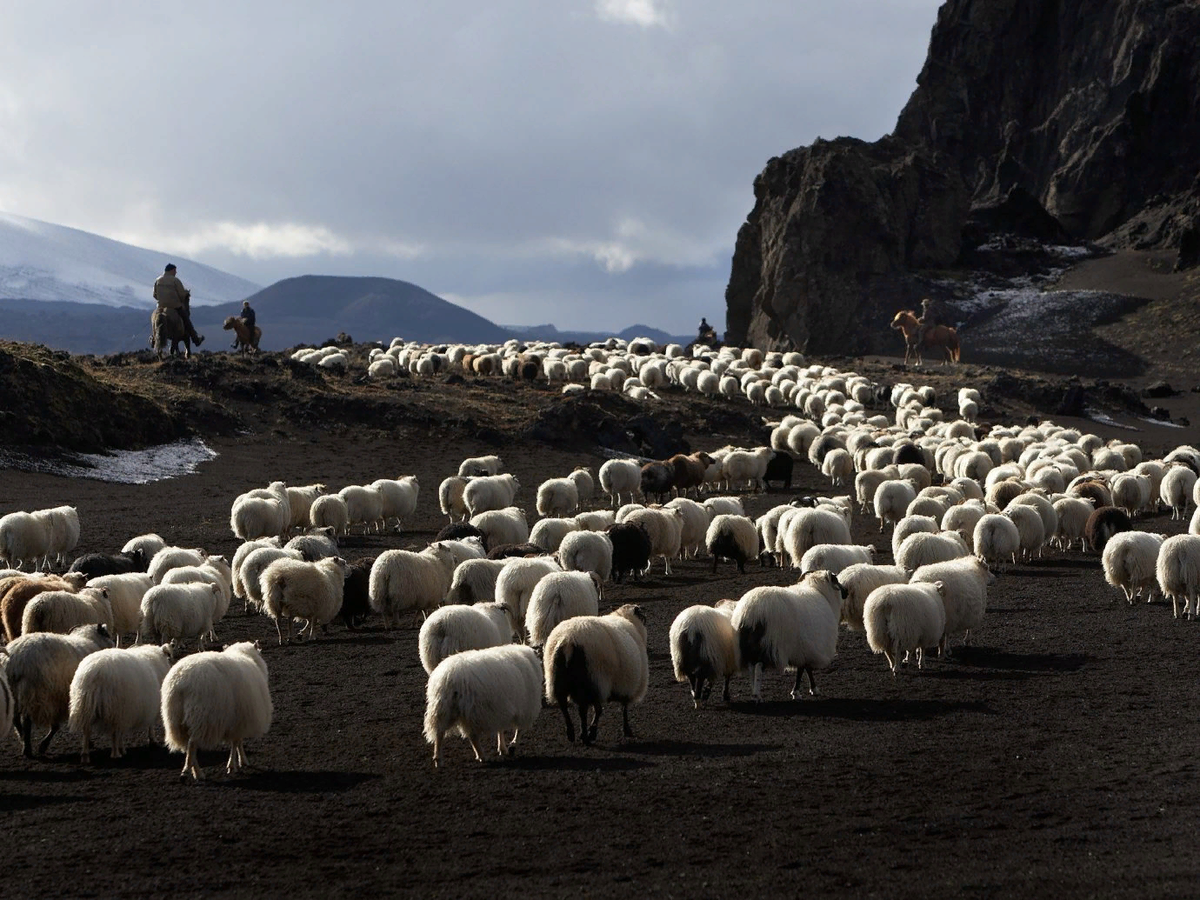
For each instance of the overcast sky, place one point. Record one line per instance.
(581, 162)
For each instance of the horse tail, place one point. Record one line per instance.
(955, 347)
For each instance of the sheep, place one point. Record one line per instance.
(330, 511)
(665, 528)
(251, 570)
(516, 582)
(1129, 560)
(399, 498)
(63, 611)
(590, 660)
(730, 506)
(657, 479)
(557, 497)
(364, 505)
(295, 589)
(480, 465)
(21, 591)
(169, 558)
(620, 476)
(996, 539)
(149, 544)
(585, 485)
(1073, 514)
(474, 581)
(731, 537)
(23, 538)
(450, 498)
(95, 565)
(688, 471)
(892, 499)
(632, 549)
(453, 629)
(256, 517)
(8, 702)
(211, 699)
(587, 551)
(1175, 489)
(859, 580)
(779, 468)
(704, 647)
(39, 669)
(1131, 493)
(905, 618)
(922, 548)
(549, 533)
(835, 557)
(118, 692)
(695, 525)
(480, 693)
(356, 603)
(125, 593)
(809, 527)
(595, 521)
(402, 580)
(62, 524)
(179, 612)
(963, 518)
(1102, 524)
(502, 526)
(463, 549)
(214, 570)
(490, 492)
(507, 551)
(790, 627)
(300, 501)
(317, 544)
(559, 596)
(1178, 571)
(748, 467)
(964, 596)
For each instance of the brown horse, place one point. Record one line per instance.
(244, 341)
(166, 327)
(943, 336)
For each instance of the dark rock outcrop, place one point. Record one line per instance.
(1054, 119)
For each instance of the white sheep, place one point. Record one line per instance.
(730, 506)
(1129, 561)
(300, 501)
(214, 570)
(40, 668)
(790, 627)
(402, 580)
(732, 537)
(1030, 527)
(502, 526)
(518, 578)
(665, 528)
(179, 612)
(557, 597)
(811, 526)
(964, 595)
(747, 467)
(480, 465)
(549, 533)
(1178, 571)
(695, 524)
(597, 520)
(399, 498)
(704, 647)
(1175, 489)
(214, 699)
(250, 573)
(964, 517)
(589, 660)
(587, 551)
(904, 618)
(364, 505)
(119, 693)
(169, 558)
(892, 499)
(295, 589)
(453, 629)
(62, 524)
(921, 549)
(316, 544)
(125, 593)
(481, 693)
(463, 549)
(557, 497)
(23, 538)
(330, 511)
(859, 580)
(474, 581)
(1073, 513)
(585, 485)
(450, 498)
(149, 544)
(239, 556)
(996, 539)
(64, 611)
(621, 476)
(490, 492)
(257, 517)
(835, 557)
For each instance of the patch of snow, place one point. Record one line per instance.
(120, 466)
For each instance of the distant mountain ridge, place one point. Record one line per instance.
(42, 261)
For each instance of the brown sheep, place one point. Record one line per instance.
(22, 590)
(689, 471)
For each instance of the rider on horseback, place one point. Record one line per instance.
(932, 314)
(169, 293)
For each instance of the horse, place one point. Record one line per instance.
(943, 336)
(166, 326)
(244, 341)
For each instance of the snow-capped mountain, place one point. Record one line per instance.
(41, 261)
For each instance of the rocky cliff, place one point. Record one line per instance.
(1062, 120)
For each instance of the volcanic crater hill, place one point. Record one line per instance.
(1065, 122)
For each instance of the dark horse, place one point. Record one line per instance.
(166, 326)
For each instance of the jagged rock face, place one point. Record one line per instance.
(1088, 110)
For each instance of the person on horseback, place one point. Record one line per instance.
(707, 335)
(169, 293)
(248, 318)
(932, 314)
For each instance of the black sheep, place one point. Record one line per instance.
(356, 603)
(93, 565)
(631, 549)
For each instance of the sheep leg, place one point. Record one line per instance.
(190, 764)
(891, 661)
(437, 749)
(83, 751)
(756, 682)
(475, 747)
(566, 712)
(279, 632)
(500, 742)
(512, 745)
(796, 685)
(45, 744)
(594, 728)
(624, 719)
(694, 681)
(725, 693)
(812, 685)
(231, 766)
(242, 761)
